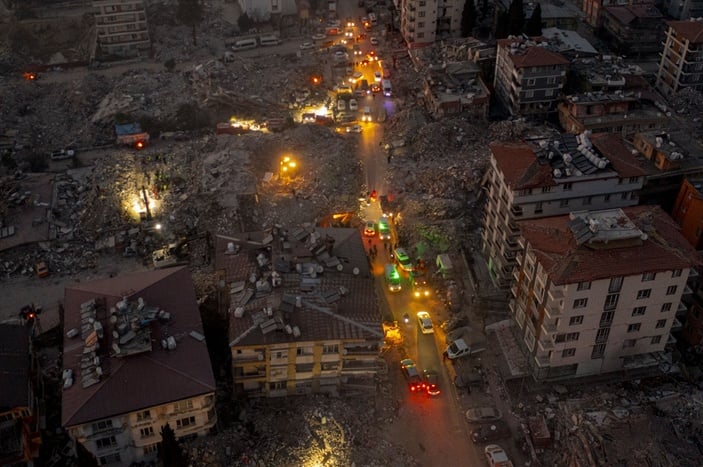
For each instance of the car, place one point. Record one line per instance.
(344, 89)
(403, 259)
(364, 63)
(490, 432)
(340, 55)
(364, 86)
(372, 56)
(412, 375)
(496, 456)
(420, 286)
(432, 382)
(366, 117)
(384, 230)
(364, 20)
(62, 154)
(370, 229)
(341, 105)
(357, 49)
(425, 322)
(354, 129)
(353, 104)
(350, 23)
(377, 76)
(318, 37)
(374, 41)
(483, 414)
(349, 33)
(307, 45)
(375, 88)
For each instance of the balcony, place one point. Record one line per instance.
(249, 356)
(521, 242)
(512, 242)
(555, 293)
(542, 361)
(676, 325)
(513, 290)
(509, 256)
(693, 273)
(519, 257)
(682, 310)
(687, 290)
(516, 274)
(552, 311)
(548, 327)
(545, 344)
(515, 210)
(514, 229)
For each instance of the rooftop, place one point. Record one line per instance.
(588, 246)
(626, 14)
(14, 366)
(609, 71)
(532, 52)
(562, 159)
(691, 30)
(567, 41)
(137, 342)
(302, 284)
(677, 146)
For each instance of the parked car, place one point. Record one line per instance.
(374, 41)
(425, 322)
(483, 414)
(341, 105)
(354, 129)
(412, 376)
(403, 259)
(496, 456)
(353, 104)
(370, 229)
(318, 37)
(306, 45)
(377, 76)
(62, 154)
(432, 382)
(490, 432)
(375, 88)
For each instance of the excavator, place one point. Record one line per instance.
(175, 254)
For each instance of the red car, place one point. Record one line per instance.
(432, 383)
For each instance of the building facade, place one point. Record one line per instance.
(310, 322)
(551, 178)
(688, 211)
(529, 78)
(418, 22)
(633, 30)
(122, 29)
(681, 64)
(125, 375)
(598, 291)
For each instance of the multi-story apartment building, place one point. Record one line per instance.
(633, 30)
(683, 9)
(135, 360)
(551, 178)
(304, 317)
(529, 76)
(618, 112)
(681, 64)
(598, 291)
(418, 22)
(688, 211)
(121, 27)
(19, 420)
(593, 9)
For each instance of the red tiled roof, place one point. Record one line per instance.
(520, 167)
(628, 13)
(692, 31)
(354, 316)
(568, 263)
(532, 55)
(621, 158)
(142, 380)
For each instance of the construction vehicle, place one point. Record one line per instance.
(176, 253)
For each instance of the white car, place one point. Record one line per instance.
(377, 76)
(353, 104)
(374, 41)
(306, 46)
(354, 129)
(318, 37)
(339, 55)
(341, 105)
(496, 456)
(425, 322)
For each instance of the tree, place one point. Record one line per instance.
(534, 24)
(190, 13)
(244, 22)
(516, 18)
(169, 450)
(468, 18)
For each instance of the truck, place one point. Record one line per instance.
(464, 342)
(386, 87)
(131, 134)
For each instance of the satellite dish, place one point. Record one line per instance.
(340, 267)
(356, 271)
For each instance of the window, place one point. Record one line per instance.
(110, 459)
(147, 431)
(421, 14)
(102, 425)
(103, 443)
(676, 273)
(304, 367)
(611, 301)
(569, 337)
(644, 293)
(656, 339)
(149, 448)
(278, 385)
(587, 200)
(538, 208)
(330, 348)
(568, 353)
(576, 320)
(185, 422)
(648, 276)
(143, 416)
(671, 290)
(660, 324)
(546, 189)
(624, 196)
(639, 311)
(666, 307)
(628, 343)
(563, 203)
(583, 286)
(634, 327)
(568, 186)
(531, 82)
(606, 318)
(529, 94)
(633, 180)
(598, 351)
(580, 303)
(606, 198)
(615, 284)
(182, 406)
(421, 24)
(602, 335)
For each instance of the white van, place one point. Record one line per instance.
(269, 40)
(244, 44)
(386, 85)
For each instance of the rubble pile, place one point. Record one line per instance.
(315, 430)
(688, 102)
(615, 425)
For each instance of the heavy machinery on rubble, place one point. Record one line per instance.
(176, 253)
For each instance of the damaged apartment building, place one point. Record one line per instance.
(302, 310)
(135, 359)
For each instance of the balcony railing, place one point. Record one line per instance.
(552, 311)
(556, 293)
(549, 327)
(542, 361)
(546, 344)
(681, 310)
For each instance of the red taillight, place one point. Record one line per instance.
(140, 145)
